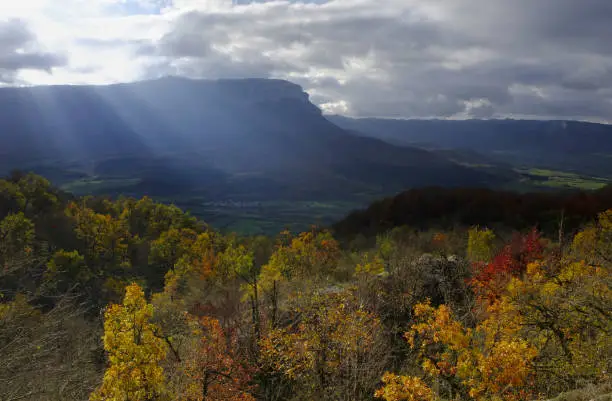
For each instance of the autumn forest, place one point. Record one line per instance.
(134, 300)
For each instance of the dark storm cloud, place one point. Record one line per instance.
(408, 58)
(18, 50)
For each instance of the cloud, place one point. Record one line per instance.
(393, 58)
(19, 50)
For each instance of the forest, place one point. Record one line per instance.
(133, 300)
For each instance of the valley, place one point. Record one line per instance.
(256, 156)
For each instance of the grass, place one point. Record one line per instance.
(563, 179)
(270, 217)
(267, 217)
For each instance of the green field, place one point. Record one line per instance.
(269, 217)
(562, 179)
(272, 216)
(245, 217)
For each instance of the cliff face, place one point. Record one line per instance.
(165, 114)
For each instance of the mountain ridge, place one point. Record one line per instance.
(583, 147)
(226, 129)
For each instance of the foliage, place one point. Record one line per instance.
(486, 362)
(332, 352)
(298, 317)
(480, 245)
(134, 352)
(565, 314)
(404, 388)
(511, 261)
(310, 253)
(106, 237)
(447, 208)
(16, 237)
(67, 269)
(214, 369)
(371, 266)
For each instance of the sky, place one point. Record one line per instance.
(386, 58)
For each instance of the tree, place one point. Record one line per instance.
(213, 369)
(134, 352)
(565, 313)
(594, 243)
(171, 246)
(305, 259)
(490, 361)
(332, 350)
(489, 279)
(196, 260)
(480, 245)
(37, 193)
(106, 237)
(310, 254)
(16, 237)
(16, 249)
(67, 270)
(11, 198)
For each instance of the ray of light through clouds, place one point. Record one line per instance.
(392, 58)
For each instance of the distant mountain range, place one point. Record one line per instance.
(246, 139)
(580, 147)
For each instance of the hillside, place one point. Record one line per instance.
(446, 208)
(136, 300)
(252, 155)
(575, 146)
(248, 139)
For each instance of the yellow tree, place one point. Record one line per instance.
(594, 243)
(334, 350)
(489, 361)
(12, 199)
(134, 352)
(480, 245)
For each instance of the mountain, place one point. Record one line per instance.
(249, 139)
(581, 147)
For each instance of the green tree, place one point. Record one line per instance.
(16, 239)
(37, 193)
(66, 271)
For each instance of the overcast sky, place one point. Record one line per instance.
(391, 58)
